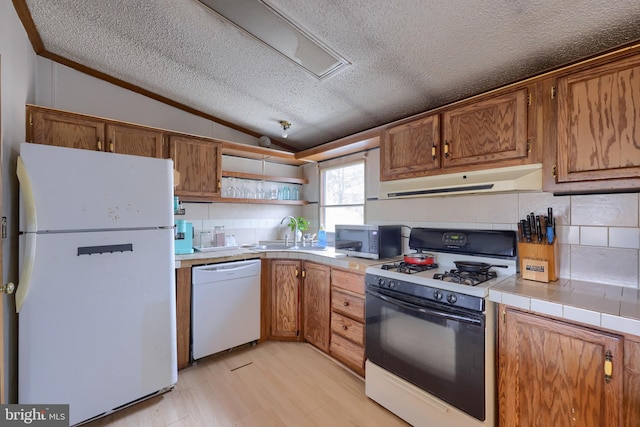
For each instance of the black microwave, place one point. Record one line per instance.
(369, 241)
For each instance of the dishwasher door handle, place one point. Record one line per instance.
(225, 271)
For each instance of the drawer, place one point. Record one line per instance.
(348, 280)
(348, 328)
(347, 304)
(348, 352)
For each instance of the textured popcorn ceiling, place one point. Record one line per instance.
(407, 56)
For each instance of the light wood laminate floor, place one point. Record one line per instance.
(271, 384)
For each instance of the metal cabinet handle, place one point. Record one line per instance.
(446, 148)
(608, 367)
(297, 272)
(346, 303)
(433, 151)
(344, 327)
(99, 145)
(112, 146)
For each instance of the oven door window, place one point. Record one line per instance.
(439, 349)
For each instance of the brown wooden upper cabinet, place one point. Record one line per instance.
(491, 132)
(598, 128)
(487, 131)
(411, 149)
(199, 162)
(63, 129)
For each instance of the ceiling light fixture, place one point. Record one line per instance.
(285, 127)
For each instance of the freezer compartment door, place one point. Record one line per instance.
(97, 328)
(72, 189)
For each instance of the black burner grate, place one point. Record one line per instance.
(465, 277)
(407, 268)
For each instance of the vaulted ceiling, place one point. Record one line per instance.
(404, 56)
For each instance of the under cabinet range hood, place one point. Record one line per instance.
(512, 178)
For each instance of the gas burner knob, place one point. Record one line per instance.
(452, 298)
(438, 295)
(381, 282)
(392, 284)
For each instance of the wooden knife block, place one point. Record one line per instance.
(539, 261)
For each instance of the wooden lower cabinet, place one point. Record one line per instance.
(631, 397)
(347, 318)
(553, 373)
(316, 301)
(183, 315)
(319, 304)
(285, 298)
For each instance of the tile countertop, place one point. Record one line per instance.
(605, 306)
(328, 256)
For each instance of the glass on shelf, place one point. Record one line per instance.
(260, 190)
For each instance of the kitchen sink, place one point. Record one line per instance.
(280, 246)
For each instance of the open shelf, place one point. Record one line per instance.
(258, 177)
(260, 201)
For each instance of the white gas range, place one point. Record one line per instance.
(430, 334)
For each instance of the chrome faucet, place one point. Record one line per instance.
(295, 233)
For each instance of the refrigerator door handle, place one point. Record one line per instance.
(27, 197)
(31, 227)
(24, 281)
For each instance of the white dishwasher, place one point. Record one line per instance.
(225, 306)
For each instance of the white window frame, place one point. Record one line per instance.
(343, 164)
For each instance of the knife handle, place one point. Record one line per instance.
(526, 227)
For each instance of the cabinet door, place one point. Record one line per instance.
(631, 401)
(551, 373)
(410, 150)
(597, 123)
(183, 314)
(316, 297)
(135, 140)
(491, 130)
(285, 298)
(66, 130)
(199, 163)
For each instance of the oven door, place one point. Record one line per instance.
(440, 349)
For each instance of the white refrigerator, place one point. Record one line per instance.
(96, 292)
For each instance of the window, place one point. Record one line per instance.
(342, 199)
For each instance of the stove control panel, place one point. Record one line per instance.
(454, 239)
(417, 291)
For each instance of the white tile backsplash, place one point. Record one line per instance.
(497, 208)
(539, 202)
(615, 210)
(624, 237)
(605, 265)
(568, 234)
(593, 236)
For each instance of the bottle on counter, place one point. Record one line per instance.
(218, 235)
(322, 237)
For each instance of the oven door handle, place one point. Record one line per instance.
(430, 311)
